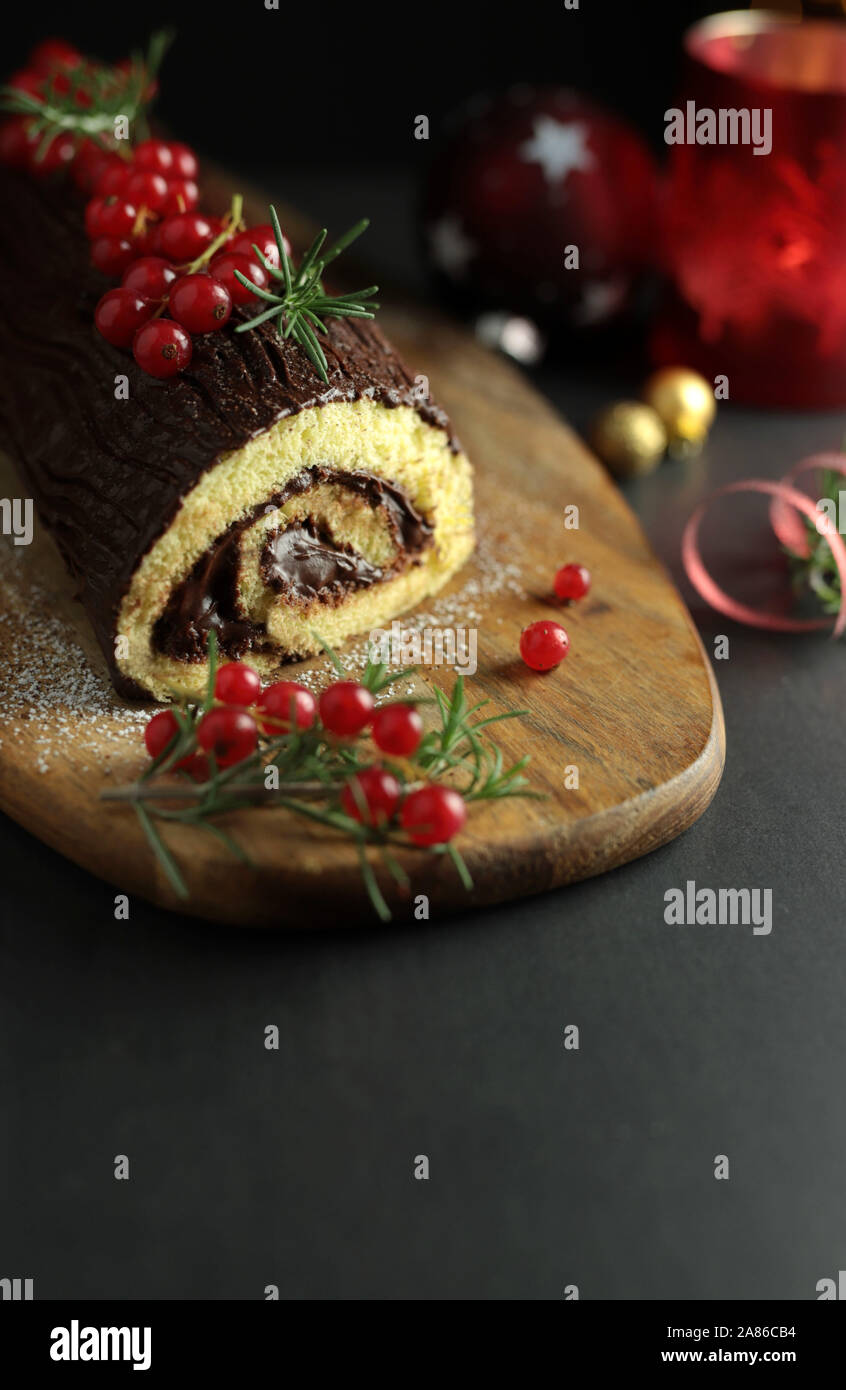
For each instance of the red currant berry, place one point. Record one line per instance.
(119, 315)
(235, 684)
(280, 701)
(54, 53)
(112, 255)
(146, 190)
(197, 766)
(146, 237)
(150, 277)
(185, 236)
(263, 238)
(223, 269)
(60, 154)
(345, 708)
(112, 179)
(185, 164)
(372, 796)
(200, 303)
(161, 730)
(543, 645)
(17, 142)
(397, 729)
(432, 815)
(27, 81)
(155, 156)
(162, 348)
(230, 734)
(182, 195)
(110, 216)
(572, 581)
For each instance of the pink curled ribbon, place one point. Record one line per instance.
(788, 501)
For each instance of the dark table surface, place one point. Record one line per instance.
(548, 1167)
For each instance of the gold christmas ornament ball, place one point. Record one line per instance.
(685, 402)
(630, 438)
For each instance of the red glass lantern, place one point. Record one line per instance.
(755, 239)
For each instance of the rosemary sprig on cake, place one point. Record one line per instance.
(370, 774)
(300, 304)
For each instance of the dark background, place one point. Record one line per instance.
(339, 85)
(549, 1167)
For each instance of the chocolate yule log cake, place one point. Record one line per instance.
(245, 495)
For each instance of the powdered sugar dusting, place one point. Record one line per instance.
(63, 699)
(48, 686)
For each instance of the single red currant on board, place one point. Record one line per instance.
(146, 190)
(119, 315)
(162, 348)
(112, 255)
(282, 702)
(372, 796)
(155, 156)
(572, 581)
(397, 729)
(432, 815)
(263, 238)
(160, 731)
(230, 734)
(543, 645)
(236, 684)
(149, 276)
(223, 269)
(345, 708)
(200, 303)
(185, 236)
(185, 164)
(182, 195)
(111, 216)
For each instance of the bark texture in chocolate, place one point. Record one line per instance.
(108, 474)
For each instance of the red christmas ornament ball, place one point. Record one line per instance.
(528, 184)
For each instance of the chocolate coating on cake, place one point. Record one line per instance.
(108, 475)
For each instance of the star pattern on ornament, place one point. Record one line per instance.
(558, 148)
(451, 249)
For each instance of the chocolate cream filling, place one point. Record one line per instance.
(302, 562)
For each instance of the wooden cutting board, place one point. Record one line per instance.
(634, 707)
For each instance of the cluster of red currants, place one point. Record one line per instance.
(430, 815)
(177, 263)
(176, 266)
(544, 645)
(49, 71)
(53, 66)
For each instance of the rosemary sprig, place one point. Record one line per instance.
(313, 769)
(93, 96)
(300, 304)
